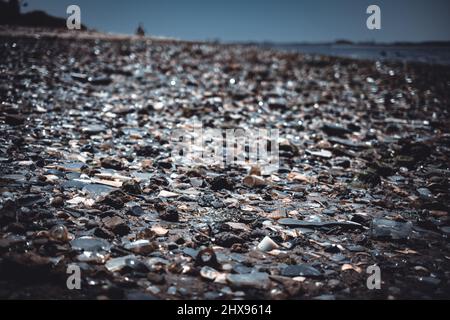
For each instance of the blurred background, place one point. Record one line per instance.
(411, 30)
(263, 20)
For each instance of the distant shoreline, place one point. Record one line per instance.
(352, 44)
(432, 53)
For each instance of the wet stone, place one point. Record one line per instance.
(93, 129)
(425, 193)
(322, 153)
(335, 130)
(117, 264)
(136, 211)
(445, 230)
(255, 280)
(383, 228)
(59, 233)
(293, 223)
(91, 244)
(140, 246)
(301, 270)
(209, 273)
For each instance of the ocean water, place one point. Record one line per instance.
(425, 54)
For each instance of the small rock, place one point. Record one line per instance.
(332, 249)
(116, 264)
(293, 223)
(101, 80)
(93, 129)
(167, 194)
(222, 182)
(14, 119)
(209, 273)
(159, 231)
(227, 239)
(335, 130)
(57, 201)
(59, 233)
(156, 278)
(431, 281)
(131, 186)
(322, 153)
(147, 151)
(116, 225)
(342, 162)
(425, 193)
(90, 244)
(237, 226)
(115, 199)
(136, 211)
(254, 181)
(207, 257)
(141, 246)
(170, 214)
(277, 103)
(267, 244)
(445, 230)
(303, 270)
(383, 228)
(103, 233)
(255, 280)
(111, 163)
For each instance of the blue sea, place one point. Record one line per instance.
(409, 53)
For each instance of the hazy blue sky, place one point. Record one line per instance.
(259, 20)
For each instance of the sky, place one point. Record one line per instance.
(262, 20)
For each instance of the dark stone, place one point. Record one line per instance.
(170, 214)
(335, 130)
(57, 201)
(302, 270)
(116, 225)
(101, 80)
(131, 186)
(111, 163)
(136, 211)
(293, 223)
(207, 257)
(147, 151)
(156, 278)
(14, 119)
(389, 229)
(332, 249)
(103, 233)
(115, 199)
(226, 239)
(222, 182)
(8, 211)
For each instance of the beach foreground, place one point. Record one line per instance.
(87, 177)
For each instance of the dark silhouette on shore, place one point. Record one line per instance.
(10, 15)
(140, 31)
